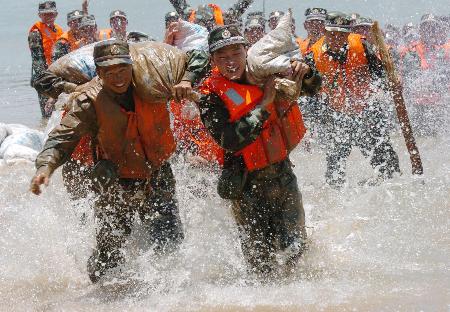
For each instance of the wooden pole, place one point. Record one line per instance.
(397, 93)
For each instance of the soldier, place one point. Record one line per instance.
(363, 26)
(70, 40)
(133, 142)
(274, 19)
(315, 27)
(255, 29)
(252, 124)
(354, 117)
(41, 39)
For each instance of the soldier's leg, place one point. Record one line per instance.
(253, 217)
(385, 159)
(337, 154)
(76, 178)
(114, 220)
(160, 212)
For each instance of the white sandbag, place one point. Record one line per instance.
(31, 138)
(4, 132)
(19, 152)
(76, 67)
(17, 128)
(273, 53)
(53, 122)
(191, 37)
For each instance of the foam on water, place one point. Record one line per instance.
(372, 248)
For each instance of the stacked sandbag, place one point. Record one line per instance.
(156, 68)
(273, 55)
(21, 143)
(191, 37)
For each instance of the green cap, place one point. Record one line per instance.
(87, 21)
(363, 21)
(315, 14)
(47, 7)
(117, 13)
(112, 52)
(223, 36)
(338, 21)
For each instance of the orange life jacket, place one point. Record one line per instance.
(427, 62)
(137, 142)
(104, 34)
(349, 85)
(49, 38)
(192, 131)
(83, 152)
(303, 45)
(281, 133)
(218, 16)
(68, 37)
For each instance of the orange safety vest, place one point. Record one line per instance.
(192, 131)
(83, 152)
(137, 142)
(303, 45)
(49, 38)
(218, 16)
(349, 85)
(428, 63)
(73, 43)
(281, 133)
(104, 34)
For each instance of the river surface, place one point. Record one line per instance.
(381, 248)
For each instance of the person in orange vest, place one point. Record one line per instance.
(258, 130)
(427, 75)
(315, 27)
(255, 28)
(69, 40)
(134, 142)
(354, 116)
(41, 39)
(363, 26)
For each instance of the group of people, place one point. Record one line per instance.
(246, 130)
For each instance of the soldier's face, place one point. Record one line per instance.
(48, 18)
(231, 61)
(116, 78)
(315, 27)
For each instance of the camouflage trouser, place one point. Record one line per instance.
(115, 209)
(46, 113)
(270, 217)
(77, 179)
(370, 133)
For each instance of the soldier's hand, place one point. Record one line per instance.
(299, 70)
(182, 91)
(269, 92)
(41, 177)
(171, 31)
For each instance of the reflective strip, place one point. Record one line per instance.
(234, 97)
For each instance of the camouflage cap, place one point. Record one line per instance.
(338, 21)
(276, 14)
(172, 16)
(429, 18)
(47, 7)
(74, 15)
(363, 21)
(315, 14)
(87, 21)
(117, 13)
(255, 22)
(112, 52)
(223, 36)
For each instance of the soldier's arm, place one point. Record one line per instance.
(52, 85)
(232, 136)
(79, 121)
(239, 8)
(313, 80)
(38, 62)
(182, 8)
(60, 49)
(197, 67)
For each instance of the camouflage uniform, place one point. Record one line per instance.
(38, 66)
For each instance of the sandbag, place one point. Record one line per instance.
(273, 53)
(17, 128)
(157, 67)
(19, 152)
(191, 37)
(76, 67)
(30, 138)
(4, 132)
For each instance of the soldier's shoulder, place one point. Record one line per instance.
(34, 38)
